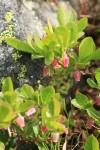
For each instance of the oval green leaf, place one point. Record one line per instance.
(91, 143)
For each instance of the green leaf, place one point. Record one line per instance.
(36, 128)
(82, 23)
(10, 97)
(54, 107)
(59, 51)
(13, 99)
(97, 70)
(73, 33)
(92, 83)
(46, 94)
(49, 40)
(61, 30)
(44, 116)
(62, 42)
(64, 16)
(91, 143)
(81, 101)
(7, 85)
(42, 146)
(2, 146)
(6, 112)
(49, 57)
(96, 55)
(82, 64)
(71, 16)
(19, 45)
(50, 26)
(38, 42)
(35, 97)
(26, 91)
(29, 40)
(94, 114)
(35, 56)
(28, 129)
(86, 49)
(57, 95)
(74, 56)
(46, 29)
(61, 15)
(97, 76)
(53, 125)
(26, 105)
(80, 34)
(19, 102)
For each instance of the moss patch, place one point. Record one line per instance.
(62, 81)
(9, 27)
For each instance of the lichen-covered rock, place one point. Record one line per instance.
(28, 17)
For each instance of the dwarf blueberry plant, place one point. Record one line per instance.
(31, 115)
(58, 46)
(37, 115)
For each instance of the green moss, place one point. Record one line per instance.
(62, 81)
(16, 55)
(9, 29)
(21, 75)
(9, 16)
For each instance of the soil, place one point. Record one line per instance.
(26, 146)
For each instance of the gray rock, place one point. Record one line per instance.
(29, 15)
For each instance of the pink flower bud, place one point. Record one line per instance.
(55, 137)
(65, 129)
(20, 121)
(77, 75)
(55, 63)
(63, 118)
(46, 71)
(65, 60)
(44, 128)
(30, 111)
(89, 123)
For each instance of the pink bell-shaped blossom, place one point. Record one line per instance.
(77, 75)
(63, 118)
(30, 111)
(65, 60)
(55, 63)
(64, 128)
(44, 128)
(20, 121)
(55, 137)
(46, 71)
